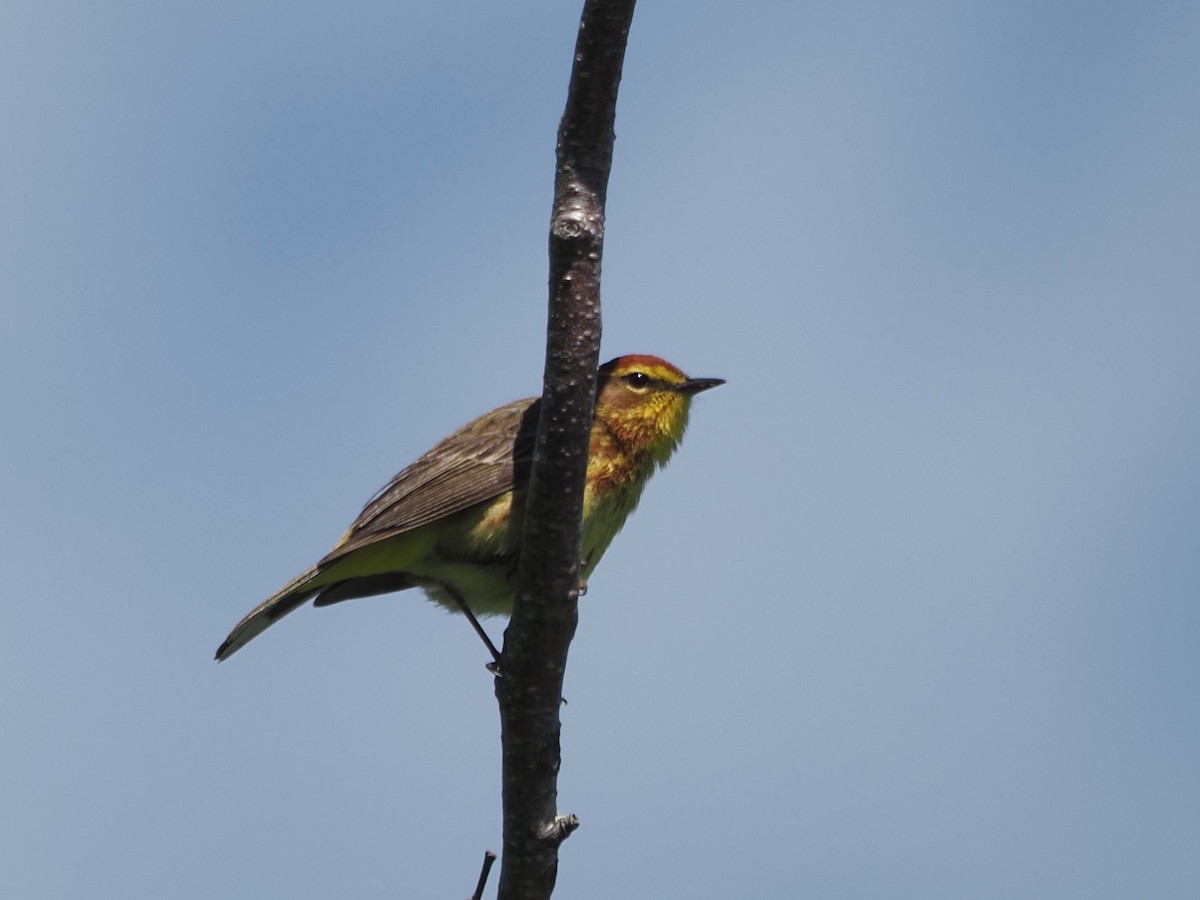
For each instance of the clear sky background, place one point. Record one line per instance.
(915, 611)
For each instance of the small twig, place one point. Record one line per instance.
(488, 859)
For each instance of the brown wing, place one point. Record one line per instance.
(478, 462)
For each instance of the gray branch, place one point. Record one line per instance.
(529, 688)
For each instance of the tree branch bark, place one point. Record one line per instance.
(529, 688)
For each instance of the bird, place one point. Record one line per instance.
(450, 523)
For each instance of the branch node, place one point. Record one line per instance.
(559, 830)
(570, 224)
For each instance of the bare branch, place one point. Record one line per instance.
(488, 859)
(546, 611)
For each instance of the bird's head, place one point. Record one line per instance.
(644, 401)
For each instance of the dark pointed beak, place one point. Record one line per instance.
(696, 385)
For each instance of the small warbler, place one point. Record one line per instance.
(451, 522)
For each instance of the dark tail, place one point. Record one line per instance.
(292, 596)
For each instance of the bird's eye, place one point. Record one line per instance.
(637, 379)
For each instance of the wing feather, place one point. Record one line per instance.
(477, 463)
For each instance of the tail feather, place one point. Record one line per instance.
(367, 586)
(289, 598)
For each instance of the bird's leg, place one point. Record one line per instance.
(466, 611)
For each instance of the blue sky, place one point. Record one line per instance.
(914, 613)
